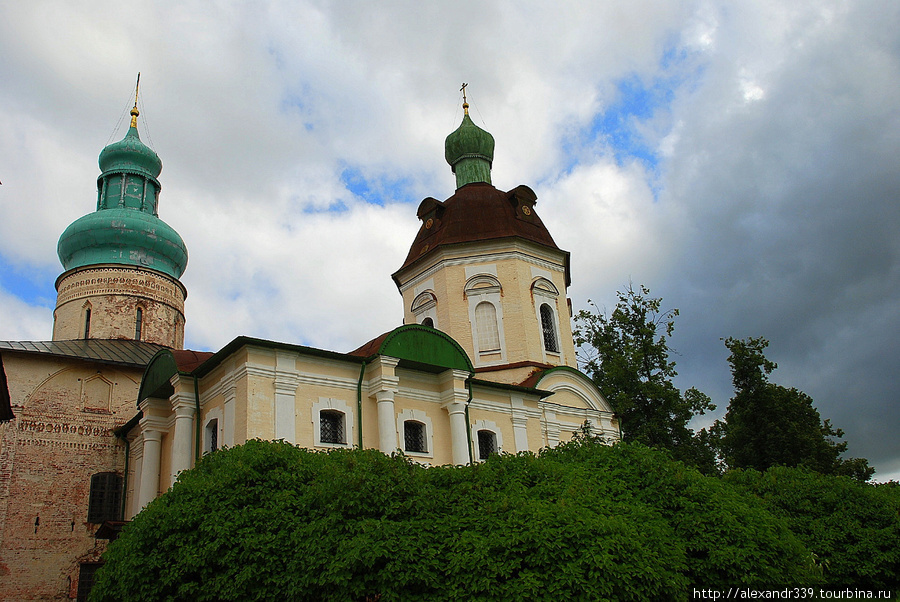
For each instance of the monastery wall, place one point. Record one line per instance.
(66, 411)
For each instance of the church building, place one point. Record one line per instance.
(99, 421)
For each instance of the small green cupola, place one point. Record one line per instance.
(470, 151)
(125, 228)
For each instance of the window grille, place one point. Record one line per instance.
(550, 342)
(86, 579)
(487, 444)
(105, 502)
(414, 436)
(486, 327)
(212, 435)
(331, 427)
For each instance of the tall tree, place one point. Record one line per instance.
(770, 425)
(627, 355)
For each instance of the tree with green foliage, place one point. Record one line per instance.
(267, 521)
(770, 425)
(627, 355)
(853, 528)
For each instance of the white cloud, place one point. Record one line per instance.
(772, 211)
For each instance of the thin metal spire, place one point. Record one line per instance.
(134, 111)
(465, 102)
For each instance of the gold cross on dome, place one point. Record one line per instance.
(465, 102)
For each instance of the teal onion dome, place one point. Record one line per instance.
(123, 236)
(470, 151)
(125, 228)
(130, 154)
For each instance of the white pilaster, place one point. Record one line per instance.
(520, 423)
(387, 432)
(286, 382)
(383, 384)
(454, 398)
(184, 434)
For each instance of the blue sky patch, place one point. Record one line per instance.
(376, 190)
(638, 101)
(619, 125)
(32, 285)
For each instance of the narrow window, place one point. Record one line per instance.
(550, 342)
(105, 502)
(487, 444)
(414, 436)
(486, 327)
(428, 322)
(86, 579)
(212, 435)
(331, 425)
(87, 323)
(138, 323)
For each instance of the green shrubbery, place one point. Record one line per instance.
(852, 528)
(582, 521)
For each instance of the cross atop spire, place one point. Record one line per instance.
(465, 102)
(134, 111)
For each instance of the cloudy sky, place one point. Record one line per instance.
(739, 158)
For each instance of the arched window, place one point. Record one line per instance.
(212, 435)
(87, 322)
(487, 444)
(105, 502)
(428, 322)
(548, 326)
(331, 427)
(414, 436)
(138, 324)
(486, 327)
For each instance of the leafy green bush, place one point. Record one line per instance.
(584, 521)
(853, 528)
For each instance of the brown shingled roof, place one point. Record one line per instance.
(371, 348)
(187, 360)
(478, 212)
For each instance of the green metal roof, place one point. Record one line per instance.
(423, 347)
(108, 351)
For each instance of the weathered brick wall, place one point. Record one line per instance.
(66, 411)
(114, 293)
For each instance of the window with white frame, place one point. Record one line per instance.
(331, 427)
(486, 329)
(487, 443)
(416, 432)
(332, 423)
(484, 295)
(545, 294)
(424, 308)
(211, 443)
(548, 327)
(486, 438)
(414, 436)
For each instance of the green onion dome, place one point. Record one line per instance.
(125, 228)
(470, 151)
(130, 154)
